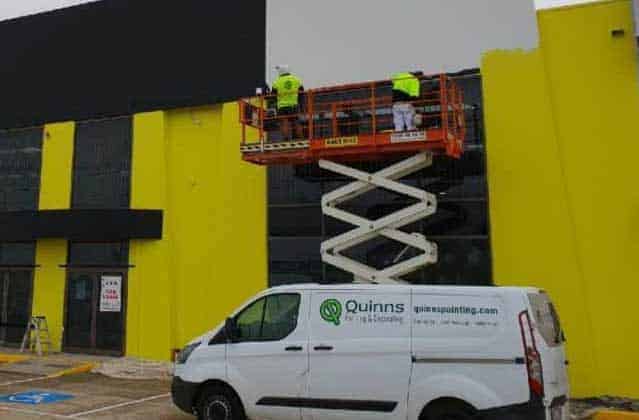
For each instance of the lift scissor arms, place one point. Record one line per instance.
(387, 226)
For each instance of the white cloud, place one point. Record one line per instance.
(14, 8)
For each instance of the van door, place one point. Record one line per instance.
(466, 346)
(359, 354)
(268, 365)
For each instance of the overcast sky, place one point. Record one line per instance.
(14, 8)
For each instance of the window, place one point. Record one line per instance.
(20, 164)
(280, 316)
(271, 318)
(102, 164)
(17, 254)
(249, 322)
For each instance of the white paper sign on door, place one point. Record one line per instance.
(111, 294)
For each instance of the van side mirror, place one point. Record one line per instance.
(231, 330)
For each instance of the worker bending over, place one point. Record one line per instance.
(406, 88)
(287, 88)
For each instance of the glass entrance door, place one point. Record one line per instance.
(95, 312)
(15, 304)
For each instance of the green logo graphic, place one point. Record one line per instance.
(331, 311)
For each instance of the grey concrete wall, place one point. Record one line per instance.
(337, 41)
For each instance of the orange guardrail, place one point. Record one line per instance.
(352, 121)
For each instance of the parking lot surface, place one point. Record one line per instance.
(94, 397)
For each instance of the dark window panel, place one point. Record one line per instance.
(17, 253)
(333, 275)
(462, 261)
(99, 254)
(468, 218)
(285, 186)
(294, 260)
(295, 221)
(15, 304)
(102, 164)
(20, 164)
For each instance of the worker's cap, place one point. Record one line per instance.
(282, 69)
(418, 73)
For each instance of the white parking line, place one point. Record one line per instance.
(35, 413)
(113, 407)
(23, 381)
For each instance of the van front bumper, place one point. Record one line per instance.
(183, 394)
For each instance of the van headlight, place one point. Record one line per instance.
(185, 353)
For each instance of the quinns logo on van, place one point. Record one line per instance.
(331, 311)
(361, 313)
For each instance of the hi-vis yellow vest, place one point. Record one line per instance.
(407, 83)
(288, 87)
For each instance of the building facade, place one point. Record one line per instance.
(120, 174)
(128, 219)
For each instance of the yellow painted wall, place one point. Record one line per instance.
(57, 166)
(213, 254)
(55, 193)
(150, 310)
(562, 144)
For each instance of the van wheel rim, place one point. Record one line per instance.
(218, 410)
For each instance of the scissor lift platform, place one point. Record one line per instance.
(351, 123)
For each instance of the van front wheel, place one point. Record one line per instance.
(217, 403)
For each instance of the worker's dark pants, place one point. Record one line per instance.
(288, 122)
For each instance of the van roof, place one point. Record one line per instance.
(420, 288)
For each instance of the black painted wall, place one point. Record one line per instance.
(117, 57)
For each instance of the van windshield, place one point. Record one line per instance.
(546, 318)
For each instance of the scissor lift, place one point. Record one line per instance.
(339, 125)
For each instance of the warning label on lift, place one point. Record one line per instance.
(341, 141)
(408, 137)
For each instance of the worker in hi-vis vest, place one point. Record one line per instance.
(406, 89)
(287, 88)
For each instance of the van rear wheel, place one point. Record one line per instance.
(218, 403)
(449, 410)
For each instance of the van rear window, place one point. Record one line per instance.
(546, 318)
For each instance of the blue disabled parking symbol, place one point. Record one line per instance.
(35, 398)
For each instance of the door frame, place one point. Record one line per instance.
(8, 269)
(96, 271)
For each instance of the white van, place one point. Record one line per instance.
(380, 352)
